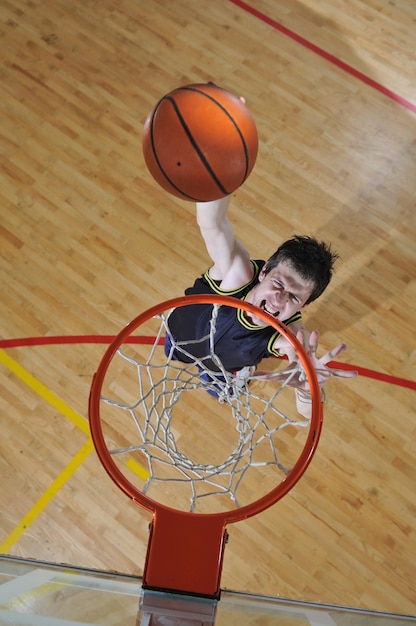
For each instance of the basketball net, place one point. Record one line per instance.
(193, 442)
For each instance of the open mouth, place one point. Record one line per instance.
(264, 307)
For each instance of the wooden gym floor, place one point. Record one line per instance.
(88, 241)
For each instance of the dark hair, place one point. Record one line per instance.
(312, 259)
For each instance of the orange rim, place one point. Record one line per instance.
(266, 500)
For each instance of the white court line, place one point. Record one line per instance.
(39, 583)
(15, 617)
(19, 585)
(11, 589)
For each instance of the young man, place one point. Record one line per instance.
(294, 276)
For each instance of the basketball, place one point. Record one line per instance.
(200, 142)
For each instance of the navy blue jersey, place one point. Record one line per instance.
(238, 342)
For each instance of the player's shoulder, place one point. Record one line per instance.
(241, 275)
(257, 265)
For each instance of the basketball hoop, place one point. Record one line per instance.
(197, 462)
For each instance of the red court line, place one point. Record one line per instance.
(72, 339)
(145, 339)
(385, 378)
(326, 55)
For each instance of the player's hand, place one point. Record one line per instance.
(320, 364)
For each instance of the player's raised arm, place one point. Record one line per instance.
(231, 260)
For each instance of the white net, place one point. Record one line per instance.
(194, 437)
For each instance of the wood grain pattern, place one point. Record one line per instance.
(88, 241)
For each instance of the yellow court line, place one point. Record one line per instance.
(44, 392)
(138, 469)
(76, 461)
(48, 495)
(72, 466)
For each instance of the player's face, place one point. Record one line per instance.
(281, 293)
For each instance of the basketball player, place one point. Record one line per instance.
(291, 279)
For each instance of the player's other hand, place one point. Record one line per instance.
(320, 364)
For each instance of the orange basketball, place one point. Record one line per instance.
(200, 142)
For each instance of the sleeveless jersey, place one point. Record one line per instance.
(238, 342)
